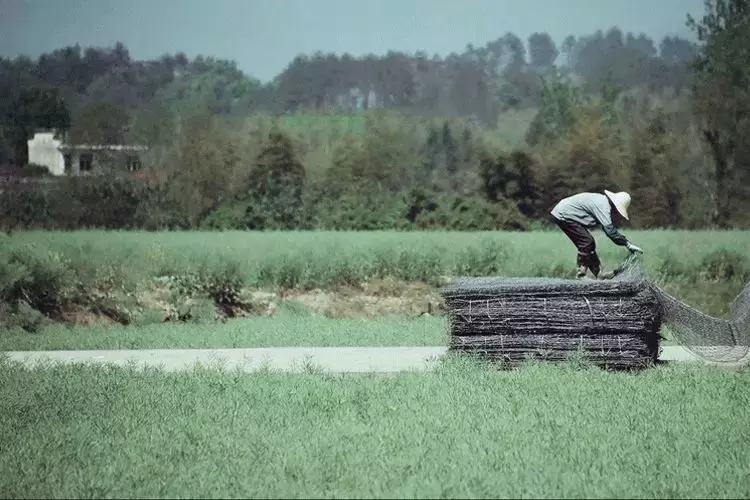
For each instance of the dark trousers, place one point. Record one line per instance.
(584, 242)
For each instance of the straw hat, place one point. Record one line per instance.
(621, 201)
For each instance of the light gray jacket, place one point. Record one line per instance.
(589, 210)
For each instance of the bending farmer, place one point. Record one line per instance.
(577, 214)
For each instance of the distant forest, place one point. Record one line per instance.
(104, 92)
(487, 137)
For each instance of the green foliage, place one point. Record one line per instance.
(99, 123)
(103, 272)
(471, 214)
(34, 170)
(116, 199)
(222, 282)
(23, 110)
(315, 254)
(655, 176)
(510, 177)
(229, 215)
(362, 211)
(723, 264)
(253, 174)
(34, 284)
(275, 186)
(211, 85)
(721, 98)
(202, 169)
(218, 281)
(414, 121)
(74, 202)
(21, 315)
(22, 207)
(37, 283)
(560, 104)
(590, 158)
(318, 435)
(542, 51)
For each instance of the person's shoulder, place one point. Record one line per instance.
(601, 197)
(589, 196)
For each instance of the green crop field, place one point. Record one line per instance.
(287, 328)
(705, 268)
(322, 258)
(460, 431)
(565, 431)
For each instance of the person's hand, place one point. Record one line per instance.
(634, 249)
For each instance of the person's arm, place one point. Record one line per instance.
(617, 238)
(605, 219)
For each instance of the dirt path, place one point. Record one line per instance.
(331, 359)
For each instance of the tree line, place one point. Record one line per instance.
(421, 143)
(104, 92)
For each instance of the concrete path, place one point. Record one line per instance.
(330, 359)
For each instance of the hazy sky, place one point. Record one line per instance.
(263, 36)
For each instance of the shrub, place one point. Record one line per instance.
(36, 284)
(34, 170)
(723, 264)
(221, 282)
(21, 315)
(472, 214)
(42, 281)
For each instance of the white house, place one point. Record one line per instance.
(44, 149)
(78, 159)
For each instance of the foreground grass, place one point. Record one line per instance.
(286, 329)
(461, 431)
(289, 328)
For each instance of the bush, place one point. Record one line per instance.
(37, 284)
(34, 285)
(724, 265)
(42, 281)
(21, 315)
(97, 201)
(472, 214)
(361, 212)
(25, 207)
(228, 216)
(487, 260)
(221, 282)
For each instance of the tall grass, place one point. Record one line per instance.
(287, 328)
(322, 258)
(461, 431)
(705, 268)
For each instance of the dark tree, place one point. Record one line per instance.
(276, 185)
(722, 95)
(29, 109)
(100, 123)
(542, 51)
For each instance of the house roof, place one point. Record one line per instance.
(101, 147)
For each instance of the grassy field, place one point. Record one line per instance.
(705, 268)
(287, 328)
(321, 258)
(461, 431)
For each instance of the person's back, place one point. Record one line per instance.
(587, 209)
